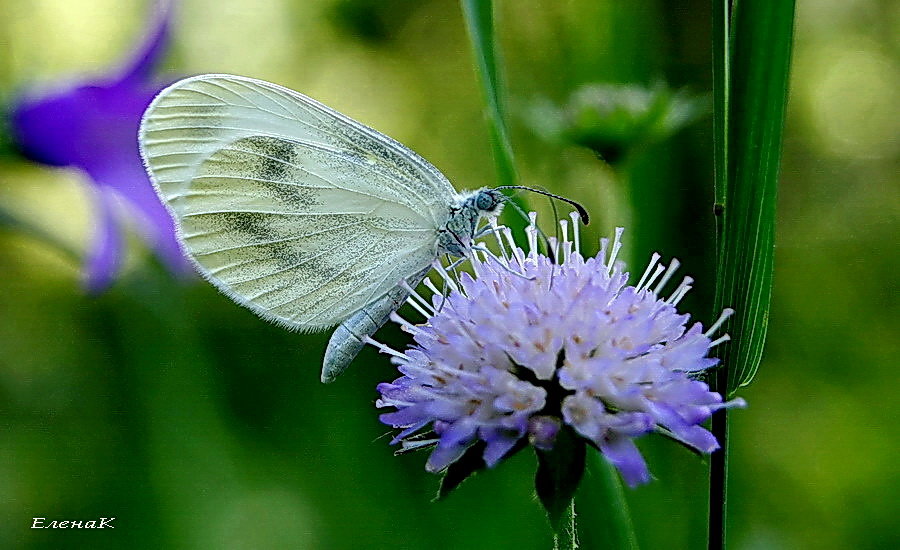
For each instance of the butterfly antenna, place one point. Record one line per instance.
(582, 212)
(555, 226)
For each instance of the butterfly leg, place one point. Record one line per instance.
(349, 337)
(487, 230)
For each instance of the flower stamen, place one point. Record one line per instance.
(404, 324)
(721, 339)
(416, 297)
(446, 276)
(670, 271)
(650, 266)
(384, 348)
(497, 231)
(617, 245)
(576, 236)
(726, 313)
(681, 291)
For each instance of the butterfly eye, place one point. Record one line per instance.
(485, 201)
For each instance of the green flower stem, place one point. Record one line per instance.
(479, 18)
(718, 481)
(567, 537)
(722, 53)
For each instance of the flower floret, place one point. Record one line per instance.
(536, 343)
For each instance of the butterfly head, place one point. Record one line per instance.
(488, 202)
(457, 235)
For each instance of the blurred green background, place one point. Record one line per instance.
(199, 426)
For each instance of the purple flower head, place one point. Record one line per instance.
(93, 126)
(532, 345)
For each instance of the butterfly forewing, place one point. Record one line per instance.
(292, 209)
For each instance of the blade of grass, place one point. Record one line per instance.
(751, 62)
(618, 514)
(761, 40)
(479, 18)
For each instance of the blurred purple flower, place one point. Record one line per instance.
(93, 126)
(533, 345)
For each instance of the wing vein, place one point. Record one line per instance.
(285, 240)
(333, 277)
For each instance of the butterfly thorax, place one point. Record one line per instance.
(457, 235)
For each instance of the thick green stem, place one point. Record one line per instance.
(567, 537)
(718, 482)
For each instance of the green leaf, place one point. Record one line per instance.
(751, 94)
(752, 43)
(559, 472)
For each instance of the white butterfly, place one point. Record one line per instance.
(301, 214)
